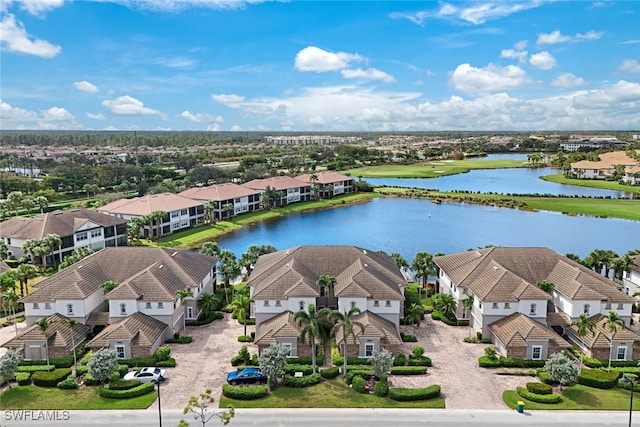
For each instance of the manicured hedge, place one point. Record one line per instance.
(23, 378)
(141, 362)
(36, 368)
(307, 361)
(539, 398)
(545, 377)
(509, 362)
(436, 315)
(182, 339)
(304, 381)
(50, 379)
(68, 384)
(539, 388)
(292, 369)
(364, 373)
(216, 315)
(351, 360)
(408, 338)
(123, 385)
(359, 384)
(163, 353)
(139, 390)
(627, 386)
(122, 370)
(419, 361)
(169, 363)
(245, 392)
(598, 378)
(329, 373)
(487, 362)
(400, 360)
(245, 338)
(408, 370)
(83, 370)
(381, 388)
(410, 394)
(597, 363)
(64, 362)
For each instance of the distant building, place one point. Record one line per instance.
(311, 139)
(292, 190)
(329, 183)
(605, 167)
(230, 199)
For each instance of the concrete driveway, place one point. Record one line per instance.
(455, 368)
(204, 363)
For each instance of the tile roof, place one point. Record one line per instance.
(635, 266)
(607, 161)
(532, 265)
(4, 267)
(517, 329)
(141, 329)
(141, 206)
(59, 333)
(496, 284)
(63, 223)
(295, 272)
(151, 273)
(218, 192)
(282, 325)
(275, 183)
(374, 327)
(326, 177)
(602, 335)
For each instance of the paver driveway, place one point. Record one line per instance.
(204, 363)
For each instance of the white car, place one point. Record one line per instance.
(146, 375)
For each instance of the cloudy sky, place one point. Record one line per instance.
(319, 65)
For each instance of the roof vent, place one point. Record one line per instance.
(287, 265)
(79, 267)
(364, 251)
(366, 265)
(287, 253)
(161, 265)
(175, 253)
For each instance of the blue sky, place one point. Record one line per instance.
(233, 65)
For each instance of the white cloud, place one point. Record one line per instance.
(475, 13)
(14, 38)
(521, 45)
(129, 106)
(85, 86)
(235, 128)
(597, 4)
(489, 79)
(180, 5)
(567, 80)
(39, 7)
(542, 60)
(227, 98)
(19, 118)
(556, 37)
(417, 18)
(98, 116)
(176, 62)
(590, 35)
(368, 74)
(200, 117)
(214, 127)
(624, 95)
(630, 66)
(520, 55)
(313, 58)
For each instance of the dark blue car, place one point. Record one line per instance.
(246, 376)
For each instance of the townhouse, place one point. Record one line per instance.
(229, 199)
(328, 184)
(289, 190)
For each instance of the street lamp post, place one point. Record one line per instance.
(159, 405)
(628, 380)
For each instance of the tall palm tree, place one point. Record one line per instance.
(446, 304)
(467, 303)
(108, 286)
(29, 247)
(546, 286)
(613, 323)
(43, 325)
(314, 327)
(182, 295)
(12, 299)
(14, 199)
(42, 202)
(52, 242)
(208, 302)
(210, 248)
(209, 209)
(584, 326)
(327, 283)
(424, 267)
(399, 260)
(414, 314)
(23, 274)
(71, 323)
(134, 228)
(229, 269)
(344, 322)
(241, 304)
(227, 209)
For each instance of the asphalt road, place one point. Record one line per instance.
(326, 417)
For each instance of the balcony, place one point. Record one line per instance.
(327, 302)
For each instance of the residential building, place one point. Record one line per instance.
(632, 175)
(328, 184)
(230, 199)
(631, 278)
(180, 212)
(291, 190)
(605, 167)
(604, 344)
(77, 228)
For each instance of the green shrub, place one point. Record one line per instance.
(138, 362)
(64, 362)
(255, 361)
(83, 370)
(89, 380)
(539, 388)
(50, 379)
(23, 378)
(400, 360)
(408, 370)
(215, 315)
(490, 353)
(68, 384)
(35, 362)
(122, 370)
(304, 381)
(163, 353)
(85, 359)
(436, 315)
(539, 398)
(463, 322)
(545, 377)
(351, 360)
(36, 368)
(182, 339)
(381, 388)
(123, 385)
(329, 373)
(359, 384)
(139, 390)
(169, 363)
(417, 352)
(237, 360)
(292, 369)
(408, 338)
(510, 362)
(245, 338)
(598, 378)
(422, 361)
(250, 392)
(487, 362)
(411, 394)
(627, 386)
(307, 360)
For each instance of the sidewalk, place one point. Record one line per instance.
(9, 332)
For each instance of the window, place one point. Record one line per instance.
(160, 305)
(184, 212)
(353, 304)
(376, 303)
(266, 303)
(507, 305)
(494, 305)
(287, 345)
(120, 351)
(189, 312)
(368, 349)
(620, 307)
(123, 308)
(479, 304)
(585, 309)
(36, 306)
(147, 305)
(174, 214)
(301, 305)
(622, 353)
(96, 232)
(607, 306)
(387, 303)
(47, 306)
(532, 309)
(81, 236)
(536, 352)
(69, 308)
(278, 304)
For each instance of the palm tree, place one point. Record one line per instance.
(30, 247)
(182, 295)
(467, 303)
(208, 302)
(546, 286)
(613, 323)
(344, 322)
(28, 203)
(314, 326)
(23, 274)
(584, 326)
(134, 227)
(210, 248)
(622, 265)
(327, 283)
(229, 269)
(227, 208)
(445, 304)
(241, 304)
(51, 242)
(399, 260)
(71, 323)
(424, 266)
(14, 199)
(4, 249)
(13, 298)
(42, 202)
(43, 325)
(108, 286)
(414, 314)
(209, 209)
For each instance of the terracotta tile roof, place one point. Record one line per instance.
(154, 272)
(141, 206)
(141, 329)
(496, 284)
(98, 318)
(517, 329)
(59, 334)
(275, 183)
(282, 325)
(374, 327)
(607, 161)
(63, 223)
(295, 272)
(326, 177)
(218, 192)
(602, 336)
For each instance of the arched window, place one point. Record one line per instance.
(586, 308)
(301, 305)
(532, 309)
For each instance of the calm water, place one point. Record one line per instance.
(409, 226)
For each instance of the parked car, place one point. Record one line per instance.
(246, 376)
(146, 375)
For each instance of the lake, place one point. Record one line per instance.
(409, 226)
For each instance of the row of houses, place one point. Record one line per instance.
(605, 168)
(144, 308)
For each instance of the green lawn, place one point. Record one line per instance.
(32, 397)
(593, 183)
(327, 394)
(580, 397)
(433, 169)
